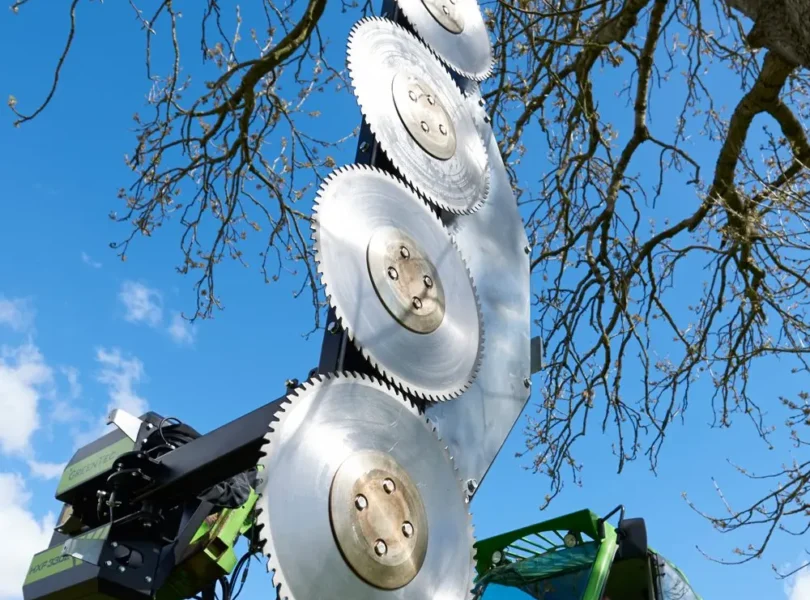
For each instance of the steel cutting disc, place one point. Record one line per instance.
(359, 499)
(397, 282)
(455, 30)
(418, 115)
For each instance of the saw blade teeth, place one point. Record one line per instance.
(460, 184)
(273, 564)
(468, 52)
(389, 187)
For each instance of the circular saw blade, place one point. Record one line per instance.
(412, 106)
(456, 32)
(433, 352)
(315, 453)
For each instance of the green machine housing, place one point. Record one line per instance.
(579, 556)
(109, 544)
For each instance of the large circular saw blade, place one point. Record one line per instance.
(418, 115)
(397, 282)
(359, 499)
(455, 30)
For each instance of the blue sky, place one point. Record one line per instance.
(81, 331)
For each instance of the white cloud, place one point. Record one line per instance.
(16, 313)
(797, 587)
(46, 470)
(180, 330)
(29, 534)
(24, 380)
(120, 374)
(143, 304)
(87, 259)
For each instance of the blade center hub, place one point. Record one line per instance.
(378, 519)
(424, 115)
(405, 279)
(446, 13)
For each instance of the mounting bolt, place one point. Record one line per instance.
(430, 100)
(417, 303)
(148, 579)
(108, 563)
(481, 102)
(442, 130)
(486, 119)
(404, 252)
(527, 249)
(428, 281)
(527, 382)
(425, 127)
(412, 95)
(392, 273)
(445, 10)
(380, 548)
(388, 486)
(332, 327)
(121, 569)
(114, 544)
(360, 502)
(407, 529)
(363, 146)
(472, 485)
(291, 384)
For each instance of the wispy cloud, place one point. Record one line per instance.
(797, 586)
(18, 523)
(24, 379)
(142, 303)
(16, 313)
(121, 374)
(88, 260)
(46, 470)
(181, 331)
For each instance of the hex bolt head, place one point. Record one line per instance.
(428, 281)
(360, 502)
(380, 548)
(388, 486)
(407, 529)
(417, 303)
(404, 252)
(392, 273)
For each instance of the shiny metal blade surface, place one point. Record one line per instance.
(456, 31)
(386, 64)
(329, 426)
(431, 358)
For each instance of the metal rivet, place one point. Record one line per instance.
(412, 95)
(442, 130)
(380, 548)
(121, 569)
(388, 486)
(392, 273)
(425, 127)
(404, 252)
(431, 101)
(364, 147)
(148, 579)
(114, 544)
(108, 563)
(472, 485)
(417, 303)
(428, 281)
(527, 249)
(445, 9)
(486, 119)
(331, 327)
(407, 529)
(360, 502)
(480, 102)
(527, 382)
